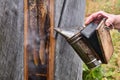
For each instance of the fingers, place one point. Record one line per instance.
(88, 20)
(112, 20)
(108, 22)
(96, 16)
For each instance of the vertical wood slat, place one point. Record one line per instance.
(25, 39)
(52, 43)
(72, 19)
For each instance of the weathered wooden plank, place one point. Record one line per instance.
(11, 39)
(59, 9)
(68, 64)
(52, 42)
(25, 39)
(105, 42)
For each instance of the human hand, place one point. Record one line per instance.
(111, 19)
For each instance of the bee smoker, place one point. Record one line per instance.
(82, 47)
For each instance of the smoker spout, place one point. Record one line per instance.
(66, 34)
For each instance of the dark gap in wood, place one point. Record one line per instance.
(61, 14)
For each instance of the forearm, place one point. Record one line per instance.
(117, 22)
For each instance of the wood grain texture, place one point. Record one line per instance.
(52, 42)
(68, 64)
(11, 40)
(25, 40)
(105, 41)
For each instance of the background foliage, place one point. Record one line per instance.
(110, 71)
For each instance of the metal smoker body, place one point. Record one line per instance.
(82, 48)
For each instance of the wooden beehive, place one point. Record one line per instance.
(16, 18)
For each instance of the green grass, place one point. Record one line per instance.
(110, 6)
(110, 71)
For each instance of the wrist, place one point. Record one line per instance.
(117, 22)
(117, 19)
